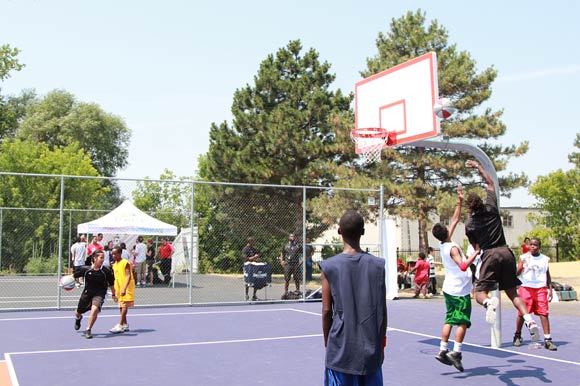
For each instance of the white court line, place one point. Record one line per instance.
(11, 371)
(34, 318)
(169, 345)
(489, 348)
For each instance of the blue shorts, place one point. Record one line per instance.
(336, 378)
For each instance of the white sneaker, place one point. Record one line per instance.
(534, 330)
(490, 313)
(125, 327)
(117, 329)
(142, 284)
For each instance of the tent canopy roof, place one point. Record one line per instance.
(129, 220)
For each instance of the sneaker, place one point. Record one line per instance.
(125, 327)
(138, 284)
(455, 359)
(142, 284)
(88, 334)
(490, 310)
(78, 322)
(117, 329)
(442, 357)
(254, 298)
(550, 345)
(517, 340)
(534, 330)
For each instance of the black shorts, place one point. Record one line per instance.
(87, 301)
(498, 266)
(293, 269)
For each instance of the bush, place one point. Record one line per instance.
(40, 265)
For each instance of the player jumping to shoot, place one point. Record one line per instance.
(498, 264)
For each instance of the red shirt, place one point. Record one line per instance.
(94, 247)
(525, 248)
(165, 250)
(422, 272)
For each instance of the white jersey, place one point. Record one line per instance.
(535, 273)
(457, 282)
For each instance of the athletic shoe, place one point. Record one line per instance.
(125, 327)
(442, 357)
(517, 340)
(254, 298)
(78, 322)
(534, 330)
(117, 329)
(142, 284)
(88, 334)
(455, 358)
(490, 314)
(138, 284)
(550, 345)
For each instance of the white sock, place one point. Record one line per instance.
(443, 346)
(527, 318)
(547, 336)
(457, 347)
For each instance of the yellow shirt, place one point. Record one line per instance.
(119, 269)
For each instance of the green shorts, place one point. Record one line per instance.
(458, 310)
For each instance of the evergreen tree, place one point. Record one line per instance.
(422, 180)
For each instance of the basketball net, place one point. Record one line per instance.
(370, 142)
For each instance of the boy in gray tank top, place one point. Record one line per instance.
(354, 310)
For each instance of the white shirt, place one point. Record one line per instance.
(140, 252)
(431, 261)
(79, 252)
(477, 261)
(457, 282)
(535, 273)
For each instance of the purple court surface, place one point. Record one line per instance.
(267, 344)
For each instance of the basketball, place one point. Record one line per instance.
(443, 108)
(67, 282)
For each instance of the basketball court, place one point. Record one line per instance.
(266, 344)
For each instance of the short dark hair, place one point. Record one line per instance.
(422, 255)
(140, 239)
(440, 232)
(351, 224)
(430, 249)
(117, 249)
(538, 240)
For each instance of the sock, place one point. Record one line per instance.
(527, 318)
(443, 346)
(547, 336)
(457, 347)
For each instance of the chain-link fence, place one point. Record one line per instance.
(39, 216)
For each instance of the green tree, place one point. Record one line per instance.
(34, 232)
(59, 119)
(168, 201)
(10, 110)
(558, 196)
(420, 180)
(9, 61)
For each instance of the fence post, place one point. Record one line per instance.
(191, 227)
(0, 239)
(304, 243)
(60, 220)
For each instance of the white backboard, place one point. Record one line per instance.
(400, 100)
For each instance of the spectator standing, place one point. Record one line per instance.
(150, 260)
(498, 264)
(526, 245)
(165, 253)
(79, 256)
(250, 254)
(92, 247)
(124, 289)
(140, 267)
(432, 288)
(354, 310)
(536, 291)
(290, 261)
(97, 279)
(421, 270)
(109, 259)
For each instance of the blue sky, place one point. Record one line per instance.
(170, 68)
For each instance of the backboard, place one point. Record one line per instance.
(400, 100)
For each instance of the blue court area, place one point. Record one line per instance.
(266, 344)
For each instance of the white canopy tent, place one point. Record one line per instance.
(127, 219)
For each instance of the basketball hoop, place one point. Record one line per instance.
(370, 141)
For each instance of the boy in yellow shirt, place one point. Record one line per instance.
(124, 289)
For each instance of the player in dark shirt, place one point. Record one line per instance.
(498, 264)
(97, 279)
(250, 254)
